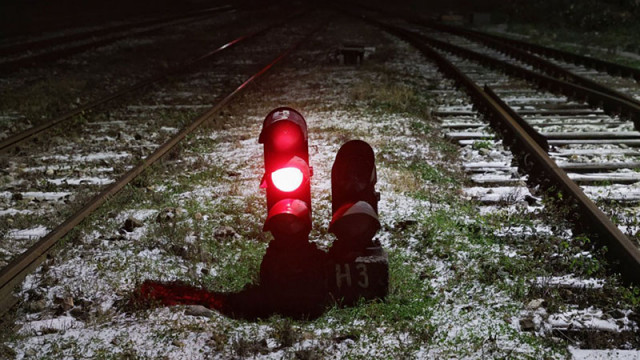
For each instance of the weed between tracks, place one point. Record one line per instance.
(43, 100)
(458, 278)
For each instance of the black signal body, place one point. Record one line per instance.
(358, 267)
(353, 176)
(354, 198)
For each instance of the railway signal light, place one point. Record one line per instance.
(296, 278)
(289, 271)
(358, 267)
(287, 174)
(354, 198)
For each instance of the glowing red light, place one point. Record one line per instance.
(286, 137)
(287, 179)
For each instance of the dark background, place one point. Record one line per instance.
(30, 17)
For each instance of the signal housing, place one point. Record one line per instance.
(286, 147)
(354, 198)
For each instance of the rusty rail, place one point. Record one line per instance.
(59, 40)
(13, 274)
(611, 68)
(56, 54)
(540, 139)
(531, 59)
(611, 105)
(531, 158)
(20, 137)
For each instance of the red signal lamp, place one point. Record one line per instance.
(290, 185)
(287, 179)
(292, 267)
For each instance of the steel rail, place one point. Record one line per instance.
(20, 137)
(13, 274)
(622, 253)
(531, 59)
(540, 139)
(609, 67)
(59, 40)
(53, 55)
(610, 104)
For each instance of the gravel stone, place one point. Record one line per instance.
(37, 306)
(224, 232)
(177, 343)
(535, 304)
(527, 324)
(617, 314)
(131, 223)
(166, 215)
(30, 352)
(66, 303)
(198, 310)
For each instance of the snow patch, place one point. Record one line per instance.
(27, 234)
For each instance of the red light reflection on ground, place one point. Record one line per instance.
(170, 294)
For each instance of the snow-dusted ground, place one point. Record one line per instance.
(448, 298)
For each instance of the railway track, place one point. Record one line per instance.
(566, 57)
(34, 96)
(456, 252)
(611, 80)
(610, 132)
(15, 139)
(554, 145)
(87, 166)
(30, 53)
(15, 46)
